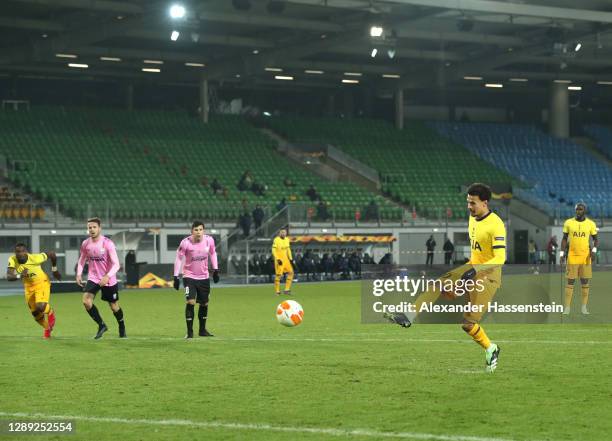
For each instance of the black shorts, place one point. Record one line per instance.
(197, 289)
(109, 293)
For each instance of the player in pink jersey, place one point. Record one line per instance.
(100, 254)
(196, 250)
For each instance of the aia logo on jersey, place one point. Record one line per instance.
(579, 234)
(476, 245)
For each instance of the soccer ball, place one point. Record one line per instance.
(289, 313)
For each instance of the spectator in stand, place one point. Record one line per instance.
(371, 211)
(259, 189)
(551, 248)
(216, 187)
(343, 266)
(533, 250)
(431, 246)
(258, 217)
(246, 181)
(449, 249)
(288, 182)
(327, 266)
(355, 265)
(387, 259)
(308, 265)
(281, 205)
(312, 193)
(322, 213)
(244, 222)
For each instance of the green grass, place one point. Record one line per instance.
(331, 372)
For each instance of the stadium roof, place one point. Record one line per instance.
(317, 43)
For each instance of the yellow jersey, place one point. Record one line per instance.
(487, 240)
(35, 273)
(578, 235)
(281, 249)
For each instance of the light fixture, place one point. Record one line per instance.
(151, 69)
(605, 83)
(577, 47)
(374, 52)
(255, 51)
(391, 53)
(390, 76)
(110, 59)
(562, 81)
(174, 35)
(273, 69)
(78, 65)
(120, 17)
(574, 87)
(494, 85)
(347, 81)
(353, 74)
(283, 77)
(44, 35)
(65, 56)
(152, 62)
(519, 80)
(177, 11)
(267, 114)
(195, 37)
(237, 75)
(376, 31)
(195, 64)
(314, 72)
(473, 78)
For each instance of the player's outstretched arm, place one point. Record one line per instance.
(594, 249)
(178, 263)
(563, 251)
(81, 265)
(11, 274)
(53, 258)
(214, 262)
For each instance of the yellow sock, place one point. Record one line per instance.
(277, 284)
(585, 294)
(569, 292)
(47, 309)
(480, 336)
(41, 319)
(288, 281)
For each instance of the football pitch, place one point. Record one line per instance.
(329, 378)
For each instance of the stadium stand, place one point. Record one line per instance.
(560, 172)
(417, 166)
(603, 137)
(158, 165)
(16, 207)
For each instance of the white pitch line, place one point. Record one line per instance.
(368, 433)
(316, 340)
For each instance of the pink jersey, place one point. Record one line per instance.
(196, 255)
(101, 256)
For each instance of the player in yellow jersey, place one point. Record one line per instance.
(488, 253)
(283, 261)
(37, 287)
(577, 231)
